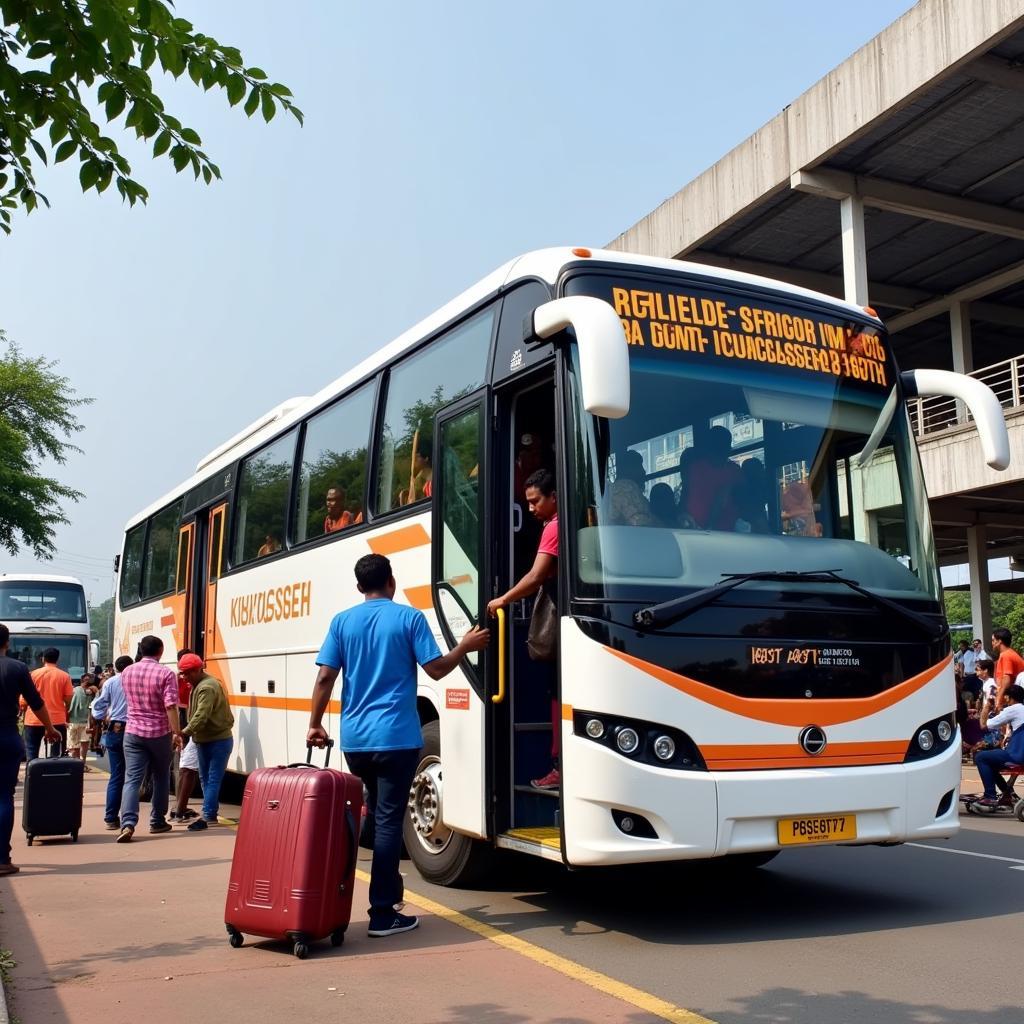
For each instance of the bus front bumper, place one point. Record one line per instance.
(713, 814)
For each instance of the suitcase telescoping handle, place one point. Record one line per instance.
(308, 763)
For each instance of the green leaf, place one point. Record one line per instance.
(106, 176)
(252, 102)
(64, 150)
(191, 136)
(105, 91)
(297, 114)
(207, 175)
(89, 174)
(162, 144)
(195, 70)
(39, 50)
(236, 89)
(269, 107)
(181, 156)
(280, 90)
(40, 152)
(115, 104)
(58, 129)
(256, 73)
(148, 53)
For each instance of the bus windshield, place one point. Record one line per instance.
(41, 600)
(740, 451)
(73, 651)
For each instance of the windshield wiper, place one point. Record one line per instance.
(669, 612)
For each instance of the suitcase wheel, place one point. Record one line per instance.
(29, 839)
(337, 937)
(301, 950)
(235, 938)
(74, 837)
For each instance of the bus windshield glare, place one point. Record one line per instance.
(41, 600)
(739, 453)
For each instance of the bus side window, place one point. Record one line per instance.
(263, 501)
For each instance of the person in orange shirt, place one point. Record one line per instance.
(54, 686)
(338, 517)
(1009, 663)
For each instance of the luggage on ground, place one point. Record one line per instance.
(294, 864)
(52, 804)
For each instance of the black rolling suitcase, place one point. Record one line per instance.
(52, 804)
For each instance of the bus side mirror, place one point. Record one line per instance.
(603, 351)
(979, 399)
(94, 652)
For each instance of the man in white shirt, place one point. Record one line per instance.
(968, 665)
(989, 762)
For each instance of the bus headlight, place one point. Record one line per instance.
(595, 728)
(664, 748)
(627, 740)
(925, 739)
(931, 739)
(945, 730)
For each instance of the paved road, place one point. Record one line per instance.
(894, 935)
(908, 935)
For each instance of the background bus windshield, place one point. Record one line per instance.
(73, 652)
(738, 453)
(40, 600)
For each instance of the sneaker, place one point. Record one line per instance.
(112, 826)
(159, 828)
(384, 927)
(198, 826)
(552, 780)
(9, 869)
(988, 801)
(125, 835)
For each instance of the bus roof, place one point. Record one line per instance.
(36, 577)
(545, 264)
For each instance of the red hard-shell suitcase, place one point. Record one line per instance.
(294, 864)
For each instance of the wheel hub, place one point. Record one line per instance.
(425, 807)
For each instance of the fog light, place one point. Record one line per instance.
(945, 730)
(627, 740)
(595, 728)
(626, 823)
(664, 748)
(925, 739)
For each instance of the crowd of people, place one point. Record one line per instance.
(138, 713)
(990, 712)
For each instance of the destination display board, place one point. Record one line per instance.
(691, 323)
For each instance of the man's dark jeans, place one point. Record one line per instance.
(11, 751)
(34, 740)
(113, 742)
(140, 753)
(387, 775)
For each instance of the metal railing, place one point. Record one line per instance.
(932, 415)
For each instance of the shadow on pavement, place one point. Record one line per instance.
(800, 895)
(119, 867)
(31, 973)
(788, 1004)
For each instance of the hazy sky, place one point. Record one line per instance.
(440, 141)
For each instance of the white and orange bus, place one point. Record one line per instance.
(753, 652)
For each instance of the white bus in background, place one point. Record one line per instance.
(753, 648)
(44, 611)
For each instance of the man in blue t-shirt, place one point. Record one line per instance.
(376, 647)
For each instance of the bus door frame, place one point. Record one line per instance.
(213, 548)
(183, 586)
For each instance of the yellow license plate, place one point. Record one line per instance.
(817, 828)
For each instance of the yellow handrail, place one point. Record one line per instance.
(499, 697)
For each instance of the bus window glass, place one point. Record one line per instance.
(263, 501)
(161, 552)
(73, 652)
(449, 368)
(216, 543)
(131, 565)
(332, 472)
(27, 600)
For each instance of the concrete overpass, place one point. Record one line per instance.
(897, 181)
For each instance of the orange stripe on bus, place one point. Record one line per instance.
(789, 712)
(723, 757)
(420, 597)
(247, 700)
(566, 712)
(399, 540)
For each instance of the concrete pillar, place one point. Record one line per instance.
(977, 566)
(963, 347)
(855, 254)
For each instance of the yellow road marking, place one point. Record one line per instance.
(577, 972)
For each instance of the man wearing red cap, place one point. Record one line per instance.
(210, 722)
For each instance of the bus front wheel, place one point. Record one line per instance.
(441, 855)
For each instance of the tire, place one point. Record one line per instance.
(441, 856)
(235, 939)
(337, 937)
(301, 950)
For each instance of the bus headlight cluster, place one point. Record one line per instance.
(647, 742)
(931, 738)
